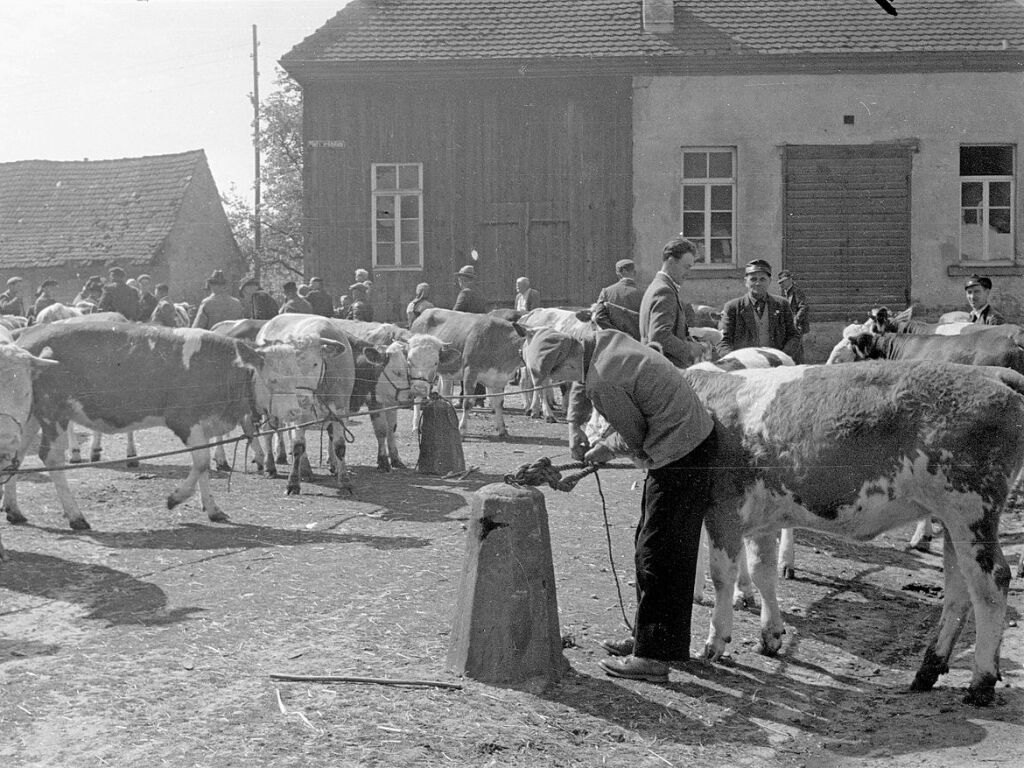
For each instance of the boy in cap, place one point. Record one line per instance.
(758, 319)
(623, 293)
(469, 299)
(118, 296)
(219, 305)
(978, 288)
(663, 313)
(798, 306)
(10, 300)
(662, 425)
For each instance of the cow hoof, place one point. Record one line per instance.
(396, 463)
(14, 516)
(217, 516)
(76, 458)
(383, 465)
(503, 433)
(982, 694)
(742, 601)
(714, 649)
(788, 572)
(272, 471)
(551, 420)
(223, 466)
(281, 458)
(536, 415)
(292, 489)
(96, 456)
(699, 600)
(771, 643)
(80, 524)
(132, 463)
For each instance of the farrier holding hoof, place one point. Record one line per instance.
(978, 289)
(663, 426)
(758, 319)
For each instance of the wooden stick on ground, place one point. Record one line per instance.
(351, 679)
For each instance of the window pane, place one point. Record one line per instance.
(411, 254)
(385, 254)
(721, 225)
(693, 198)
(970, 215)
(721, 165)
(1000, 238)
(410, 229)
(721, 251)
(721, 198)
(693, 225)
(999, 220)
(986, 161)
(999, 193)
(695, 165)
(385, 177)
(409, 177)
(410, 206)
(970, 193)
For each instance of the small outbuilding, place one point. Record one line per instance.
(160, 215)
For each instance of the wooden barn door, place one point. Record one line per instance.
(531, 239)
(846, 234)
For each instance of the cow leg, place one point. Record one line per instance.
(342, 478)
(380, 431)
(130, 451)
(724, 569)
(762, 551)
(282, 453)
(702, 567)
(96, 451)
(198, 475)
(52, 453)
(10, 489)
(391, 418)
(787, 554)
(468, 385)
(923, 534)
(497, 400)
(971, 555)
(220, 459)
(76, 445)
(743, 592)
(298, 454)
(269, 465)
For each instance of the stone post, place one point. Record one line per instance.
(506, 627)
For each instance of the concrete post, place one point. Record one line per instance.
(506, 626)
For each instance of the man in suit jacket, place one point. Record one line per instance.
(526, 298)
(469, 299)
(758, 319)
(624, 293)
(663, 314)
(978, 289)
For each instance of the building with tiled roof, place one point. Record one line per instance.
(875, 155)
(160, 215)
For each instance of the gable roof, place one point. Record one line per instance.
(446, 30)
(57, 212)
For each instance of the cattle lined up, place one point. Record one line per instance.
(779, 428)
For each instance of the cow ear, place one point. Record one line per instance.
(376, 355)
(585, 315)
(531, 332)
(248, 356)
(332, 347)
(519, 329)
(449, 356)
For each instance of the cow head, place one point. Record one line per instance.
(18, 368)
(286, 375)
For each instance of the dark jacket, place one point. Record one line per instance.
(988, 316)
(663, 320)
(623, 293)
(296, 304)
(147, 304)
(739, 326)
(11, 305)
(119, 297)
(470, 300)
(321, 302)
(262, 306)
(798, 306)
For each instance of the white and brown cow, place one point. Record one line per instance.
(491, 354)
(115, 377)
(857, 450)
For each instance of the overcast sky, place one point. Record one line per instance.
(101, 79)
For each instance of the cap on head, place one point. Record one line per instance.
(547, 350)
(785, 275)
(47, 283)
(677, 247)
(315, 280)
(758, 265)
(13, 281)
(140, 278)
(624, 265)
(216, 277)
(116, 273)
(247, 281)
(467, 271)
(974, 280)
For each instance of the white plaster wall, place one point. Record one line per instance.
(758, 115)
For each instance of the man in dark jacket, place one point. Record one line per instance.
(978, 288)
(801, 311)
(623, 293)
(321, 301)
(293, 302)
(469, 299)
(257, 303)
(147, 301)
(663, 313)
(758, 319)
(118, 296)
(10, 300)
(45, 298)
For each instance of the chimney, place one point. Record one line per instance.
(659, 16)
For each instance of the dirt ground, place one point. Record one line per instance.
(150, 639)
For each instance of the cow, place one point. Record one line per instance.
(958, 316)
(974, 349)
(491, 353)
(855, 451)
(12, 322)
(705, 316)
(124, 376)
(331, 393)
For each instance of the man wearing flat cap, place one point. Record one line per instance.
(655, 418)
(798, 306)
(219, 305)
(118, 296)
(45, 298)
(469, 298)
(623, 293)
(758, 319)
(10, 300)
(978, 289)
(360, 308)
(665, 318)
(256, 302)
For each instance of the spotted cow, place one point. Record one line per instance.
(855, 451)
(491, 354)
(124, 376)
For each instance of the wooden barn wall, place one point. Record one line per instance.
(509, 166)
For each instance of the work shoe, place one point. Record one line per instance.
(636, 668)
(622, 647)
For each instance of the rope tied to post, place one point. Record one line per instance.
(543, 472)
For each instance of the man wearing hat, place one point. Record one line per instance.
(469, 299)
(293, 303)
(661, 424)
(623, 293)
(758, 319)
(978, 288)
(118, 296)
(321, 301)
(10, 300)
(798, 306)
(663, 313)
(45, 297)
(257, 303)
(219, 305)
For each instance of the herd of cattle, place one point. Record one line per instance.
(935, 431)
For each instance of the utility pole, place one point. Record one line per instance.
(256, 151)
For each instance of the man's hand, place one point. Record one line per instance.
(578, 443)
(599, 454)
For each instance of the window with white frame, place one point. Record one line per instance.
(709, 203)
(986, 202)
(397, 192)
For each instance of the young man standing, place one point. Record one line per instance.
(219, 305)
(978, 289)
(118, 296)
(758, 319)
(623, 293)
(663, 313)
(798, 306)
